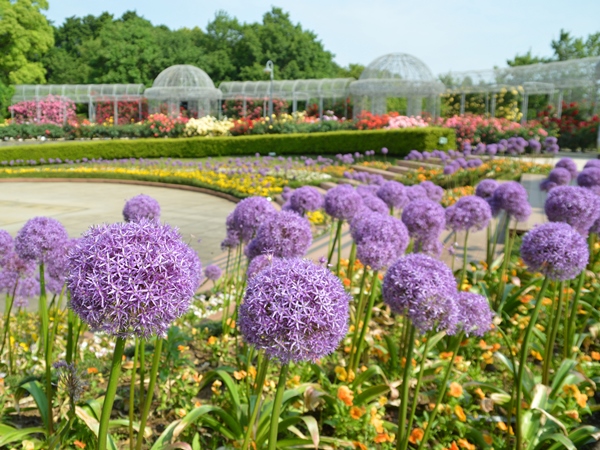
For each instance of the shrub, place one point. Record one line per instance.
(52, 110)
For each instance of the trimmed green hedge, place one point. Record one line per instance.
(399, 142)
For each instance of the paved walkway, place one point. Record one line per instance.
(199, 217)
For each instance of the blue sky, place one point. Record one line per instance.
(446, 34)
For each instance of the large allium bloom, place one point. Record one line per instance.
(434, 192)
(423, 289)
(294, 310)
(380, 239)
(20, 273)
(259, 263)
(393, 194)
(568, 164)
(424, 219)
(6, 246)
(577, 206)
(592, 163)
(511, 197)
(306, 198)
(367, 189)
(470, 213)
(589, 177)
(375, 204)
(39, 237)
(557, 177)
(285, 235)
(485, 189)
(132, 278)
(248, 215)
(232, 239)
(141, 207)
(213, 272)
(342, 202)
(416, 192)
(473, 313)
(556, 250)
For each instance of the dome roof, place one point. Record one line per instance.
(183, 82)
(397, 66)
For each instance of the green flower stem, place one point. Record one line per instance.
(592, 307)
(142, 372)
(552, 332)
(506, 260)
(45, 341)
(351, 261)
(464, 266)
(488, 243)
(496, 235)
(403, 433)
(149, 395)
(358, 311)
(338, 234)
(572, 323)
(441, 392)
(260, 381)
(523, 362)
(413, 409)
(10, 300)
(357, 347)
(132, 392)
(111, 390)
(338, 265)
(277, 407)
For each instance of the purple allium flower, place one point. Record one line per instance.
(423, 289)
(472, 163)
(589, 177)
(492, 149)
(284, 235)
(430, 247)
(556, 250)
(535, 145)
(577, 206)
(416, 192)
(367, 189)
(512, 198)
(286, 193)
(485, 189)
(259, 263)
(393, 194)
(592, 163)
(380, 239)
(384, 151)
(559, 176)
(232, 240)
(375, 204)
(20, 273)
(474, 313)
(306, 198)
(434, 192)
(342, 202)
(294, 310)
(213, 272)
(547, 185)
(569, 164)
(141, 207)
(451, 168)
(39, 238)
(6, 246)
(248, 215)
(424, 219)
(469, 213)
(132, 278)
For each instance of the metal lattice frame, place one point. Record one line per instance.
(89, 94)
(290, 90)
(396, 75)
(183, 84)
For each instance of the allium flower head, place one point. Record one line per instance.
(39, 237)
(132, 278)
(557, 177)
(393, 194)
(577, 206)
(589, 177)
(284, 235)
(380, 239)
(367, 189)
(423, 289)
(512, 198)
(141, 207)
(473, 313)
(294, 310)
(434, 192)
(470, 213)
(592, 163)
(342, 202)
(213, 272)
(485, 189)
(259, 263)
(424, 219)
(20, 273)
(6, 246)
(556, 250)
(306, 198)
(568, 164)
(375, 204)
(416, 192)
(248, 215)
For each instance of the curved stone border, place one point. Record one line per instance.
(183, 187)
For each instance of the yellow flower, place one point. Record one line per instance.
(356, 412)
(460, 413)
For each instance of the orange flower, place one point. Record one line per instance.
(383, 437)
(460, 413)
(359, 446)
(92, 370)
(479, 393)
(581, 400)
(212, 340)
(79, 444)
(455, 390)
(347, 282)
(572, 414)
(345, 394)
(463, 443)
(596, 356)
(416, 435)
(356, 412)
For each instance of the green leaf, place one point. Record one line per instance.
(93, 425)
(367, 375)
(9, 434)
(561, 442)
(232, 387)
(38, 394)
(371, 394)
(561, 374)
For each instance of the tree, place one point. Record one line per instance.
(568, 47)
(25, 36)
(526, 59)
